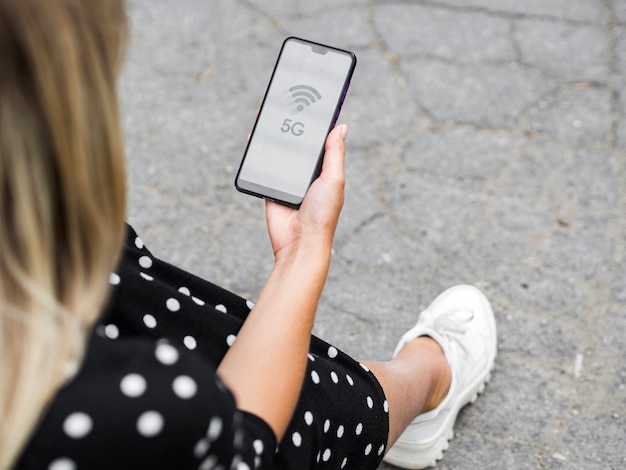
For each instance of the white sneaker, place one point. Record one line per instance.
(462, 322)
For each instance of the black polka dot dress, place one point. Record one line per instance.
(147, 396)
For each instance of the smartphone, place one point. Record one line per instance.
(301, 105)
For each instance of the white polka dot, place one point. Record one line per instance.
(209, 463)
(364, 367)
(386, 406)
(190, 342)
(359, 429)
(166, 354)
(340, 431)
(112, 331)
(250, 304)
(315, 377)
(62, 464)
(185, 387)
(139, 243)
(147, 277)
(326, 455)
(368, 449)
(308, 418)
(242, 466)
(184, 291)
(133, 385)
(172, 305)
(238, 440)
(332, 352)
(235, 462)
(77, 425)
(201, 448)
(258, 446)
(349, 379)
(326, 425)
(230, 339)
(311, 357)
(221, 308)
(221, 385)
(150, 424)
(215, 428)
(370, 403)
(296, 438)
(334, 377)
(197, 301)
(381, 449)
(149, 321)
(345, 461)
(114, 279)
(145, 262)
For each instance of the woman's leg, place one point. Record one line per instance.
(440, 365)
(415, 381)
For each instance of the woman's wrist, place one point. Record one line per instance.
(306, 252)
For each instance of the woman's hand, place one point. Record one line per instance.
(314, 224)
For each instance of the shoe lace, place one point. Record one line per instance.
(452, 324)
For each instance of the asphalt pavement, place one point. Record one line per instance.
(487, 146)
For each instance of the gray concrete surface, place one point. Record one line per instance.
(487, 146)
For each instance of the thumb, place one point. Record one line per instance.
(334, 156)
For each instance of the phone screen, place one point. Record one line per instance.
(300, 108)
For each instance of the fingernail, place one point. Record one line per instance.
(343, 131)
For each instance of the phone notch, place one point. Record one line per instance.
(319, 49)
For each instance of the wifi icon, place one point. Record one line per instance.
(304, 95)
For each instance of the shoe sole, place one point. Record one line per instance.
(416, 455)
(403, 454)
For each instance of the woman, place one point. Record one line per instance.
(112, 358)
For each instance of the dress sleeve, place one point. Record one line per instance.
(142, 404)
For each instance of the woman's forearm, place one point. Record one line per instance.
(265, 366)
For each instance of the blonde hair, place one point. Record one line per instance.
(62, 195)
